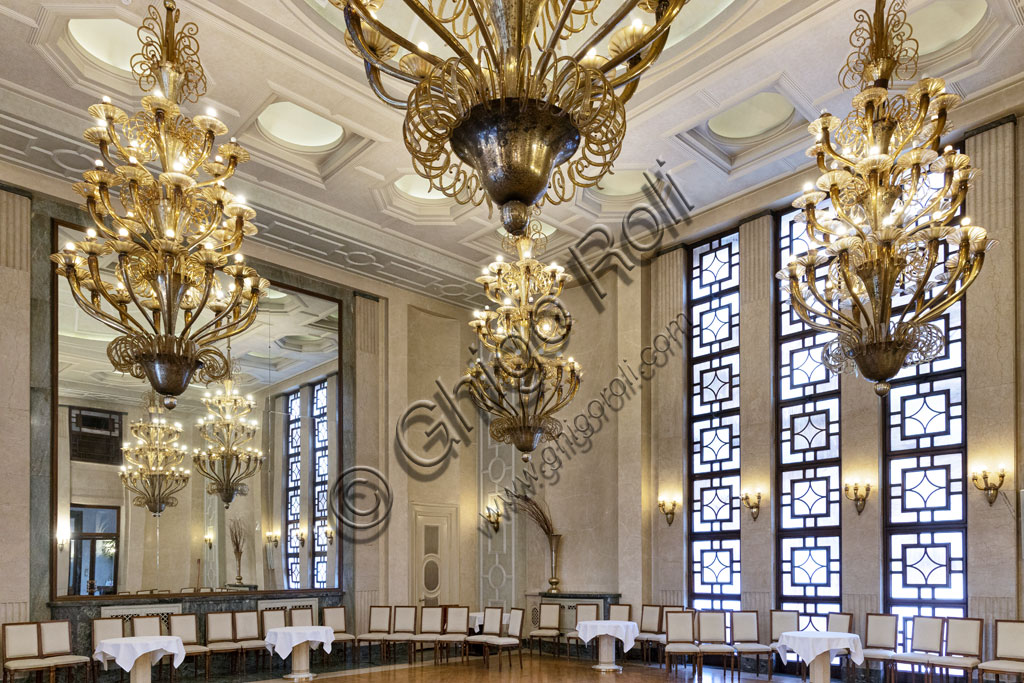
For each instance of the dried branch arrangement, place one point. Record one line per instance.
(236, 529)
(537, 512)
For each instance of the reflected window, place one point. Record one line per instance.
(92, 569)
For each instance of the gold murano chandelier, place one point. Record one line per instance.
(524, 379)
(178, 284)
(154, 472)
(877, 274)
(522, 109)
(228, 461)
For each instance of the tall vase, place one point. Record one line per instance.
(238, 566)
(554, 540)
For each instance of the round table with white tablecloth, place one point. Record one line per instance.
(816, 648)
(295, 641)
(607, 632)
(138, 654)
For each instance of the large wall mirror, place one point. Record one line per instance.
(108, 543)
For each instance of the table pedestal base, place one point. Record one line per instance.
(142, 670)
(819, 668)
(300, 663)
(606, 655)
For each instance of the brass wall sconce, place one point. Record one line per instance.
(208, 539)
(752, 503)
(858, 496)
(301, 536)
(274, 538)
(668, 507)
(990, 488)
(329, 536)
(493, 517)
(62, 542)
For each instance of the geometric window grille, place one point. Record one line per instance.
(807, 457)
(321, 468)
(293, 489)
(713, 534)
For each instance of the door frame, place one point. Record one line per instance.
(451, 511)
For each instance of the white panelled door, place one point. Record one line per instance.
(435, 555)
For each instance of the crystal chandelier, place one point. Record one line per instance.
(522, 108)
(173, 232)
(227, 462)
(525, 380)
(876, 274)
(153, 472)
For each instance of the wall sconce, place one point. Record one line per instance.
(859, 497)
(752, 503)
(208, 539)
(274, 538)
(991, 489)
(668, 507)
(328, 535)
(62, 542)
(493, 517)
(301, 536)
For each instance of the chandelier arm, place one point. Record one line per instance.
(482, 23)
(121, 259)
(922, 117)
(204, 153)
(804, 313)
(605, 29)
(201, 306)
(555, 35)
(439, 29)
(94, 311)
(631, 78)
(373, 78)
(955, 201)
(826, 144)
(928, 306)
(812, 286)
(915, 301)
(133, 189)
(356, 10)
(229, 170)
(237, 326)
(912, 185)
(869, 316)
(659, 28)
(935, 311)
(220, 316)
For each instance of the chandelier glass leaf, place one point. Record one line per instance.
(161, 266)
(521, 109)
(521, 377)
(153, 471)
(889, 251)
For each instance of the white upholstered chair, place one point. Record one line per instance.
(620, 613)
(220, 635)
(880, 642)
(746, 638)
(102, 629)
(247, 635)
(431, 623)
(186, 627)
(512, 640)
(549, 628)
(1009, 650)
(585, 611)
(301, 616)
(403, 630)
(780, 621)
(963, 647)
(925, 643)
(650, 628)
(55, 646)
(681, 641)
(711, 634)
(491, 629)
(378, 628)
(21, 649)
(456, 627)
(335, 618)
(147, 627)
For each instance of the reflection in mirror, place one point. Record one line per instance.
(258, 522)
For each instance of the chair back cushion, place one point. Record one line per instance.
(679, 627)
(839, 621)
(880, 631)
(492, 621)
(247, 626)
(380, 619)
(184, 626)
(619, 612)
(586, 611)
(1009, 639)
(650, 618)
(550, 615)
(107, 627)
(21, 640)
(405, 619)
(334, 617)
(146, 626)
(457, 621)
(927, 635)
(711, 627)
(219, 627)
(783, 620)
(515, 623)
(301, 616)
(54, 638)
(272, 618)
(665, 612)
(431, 619)
(744, 627)
(963, 637)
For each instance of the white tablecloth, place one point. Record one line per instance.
(125, 651)
(626, 631)
(810, 644)
(476, 620)
(282, 639)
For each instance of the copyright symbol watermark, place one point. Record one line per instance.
(361, 497)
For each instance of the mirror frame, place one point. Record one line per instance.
(282, 278)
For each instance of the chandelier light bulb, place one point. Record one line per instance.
(423, 46)
(105, 99)
(210, 111)
(91, 233)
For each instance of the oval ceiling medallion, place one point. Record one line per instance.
(297, 128)
(694, 16)
(752, 117)
(417, 186)
(944, 22)
(111, 41)
(622, 183)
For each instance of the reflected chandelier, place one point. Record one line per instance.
(525, 380)
(876, 275)
(153, 472)
(228, 461)
(173, 232)
(516, 116)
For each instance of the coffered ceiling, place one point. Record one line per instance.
(724, 111)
